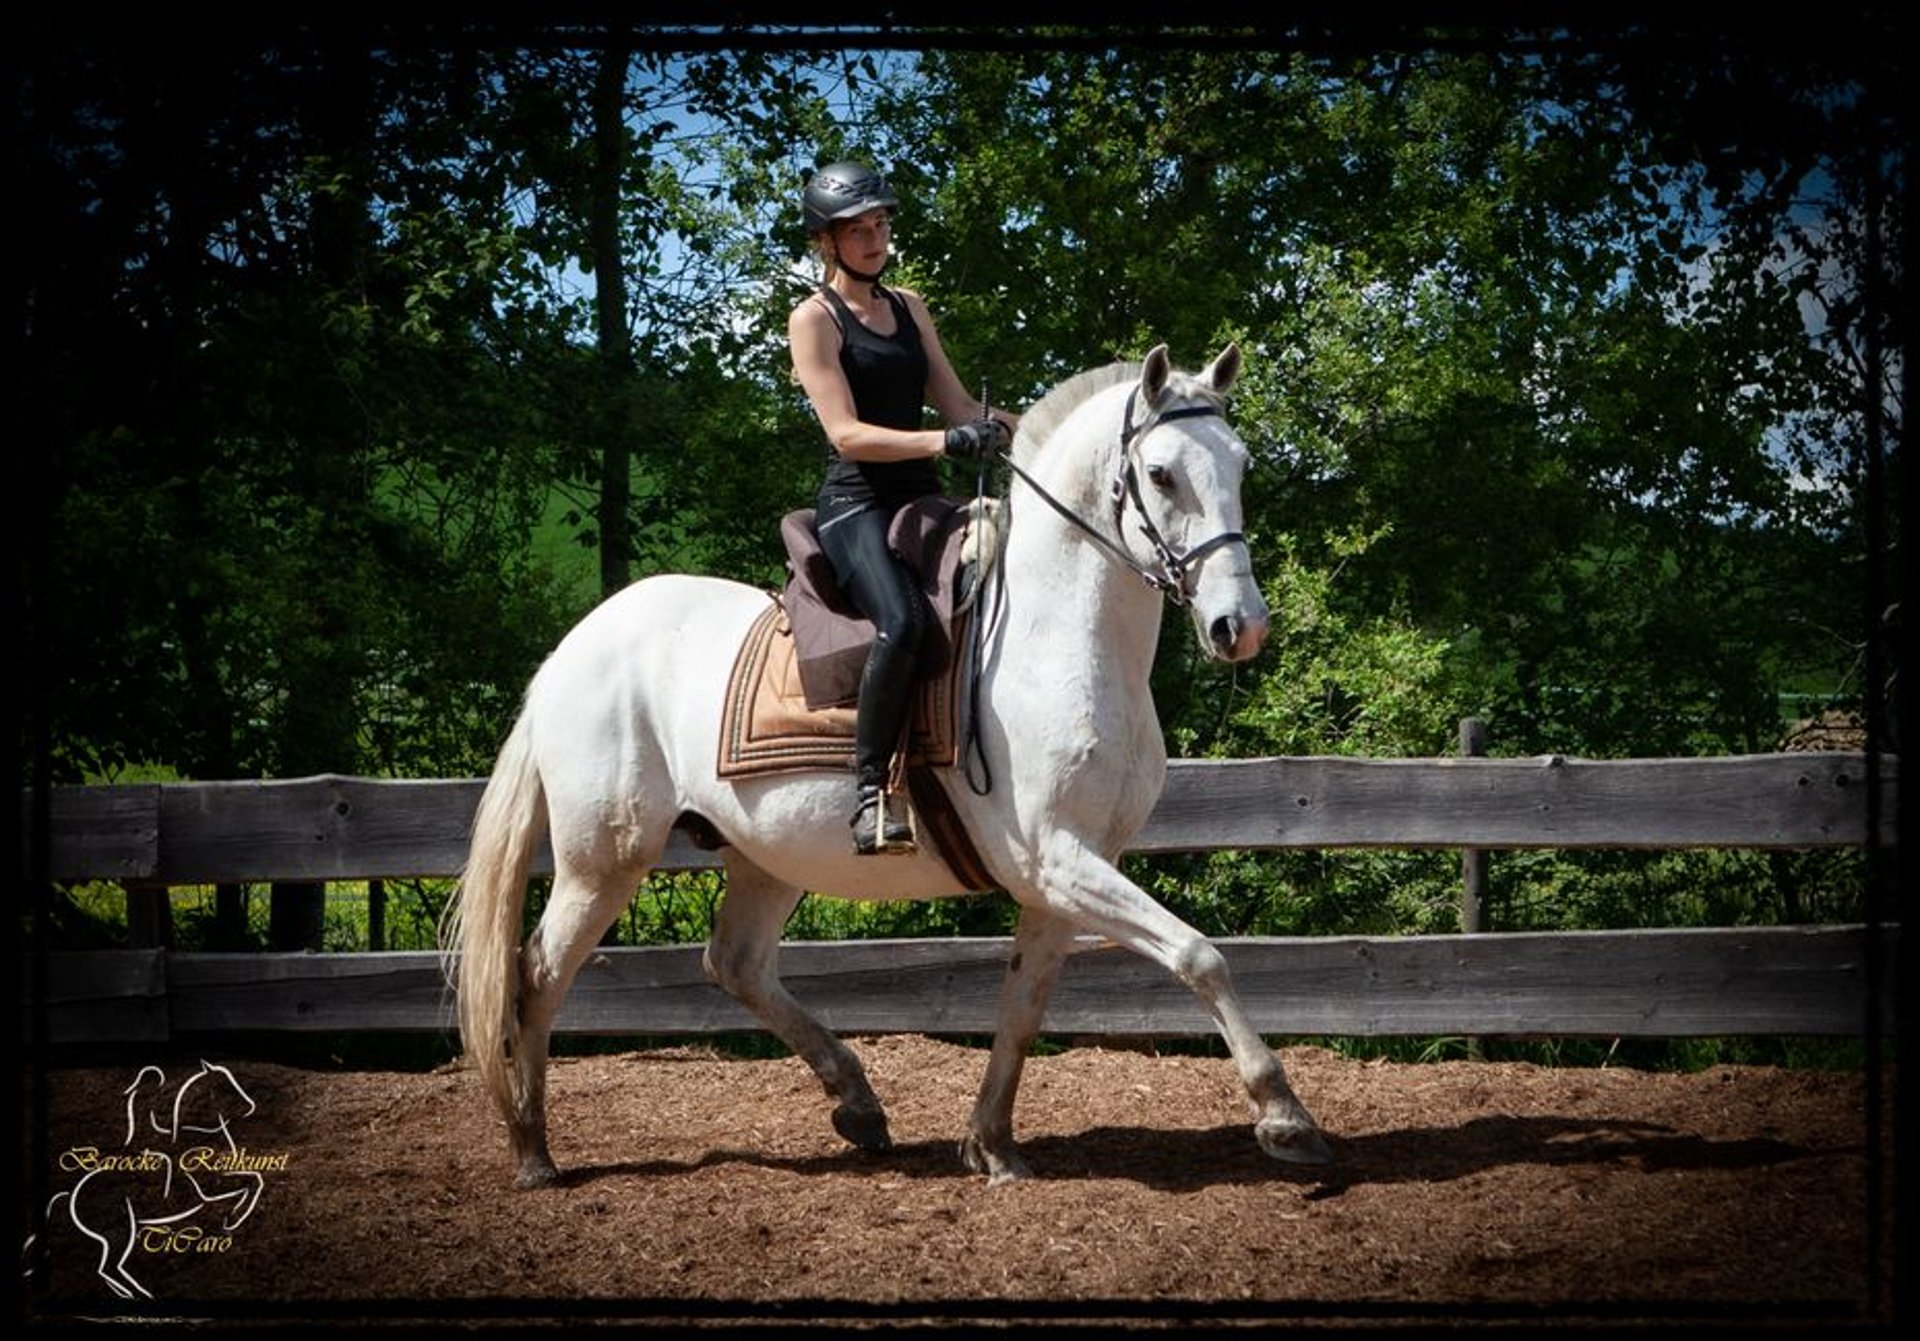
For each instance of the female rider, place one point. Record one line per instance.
(870, 361)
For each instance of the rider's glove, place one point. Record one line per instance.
(982, 437)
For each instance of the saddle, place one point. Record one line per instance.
(934, 537)
(770, 728)
(792, 695)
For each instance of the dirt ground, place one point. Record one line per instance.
(708, 1190)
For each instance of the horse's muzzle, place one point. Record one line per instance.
(1237, 637)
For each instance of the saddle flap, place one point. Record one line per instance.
(808, 563)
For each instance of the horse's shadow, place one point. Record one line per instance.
(1186, 1160)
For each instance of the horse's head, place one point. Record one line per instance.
(1178, 499)
(209, 1098)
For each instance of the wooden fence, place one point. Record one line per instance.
(1832, 980)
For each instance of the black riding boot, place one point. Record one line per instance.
(885, 687)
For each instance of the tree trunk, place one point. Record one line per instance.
(613, 339)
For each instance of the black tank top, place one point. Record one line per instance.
(887, 375)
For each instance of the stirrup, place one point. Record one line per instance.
(879, 828)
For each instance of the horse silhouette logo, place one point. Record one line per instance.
(180, 1182)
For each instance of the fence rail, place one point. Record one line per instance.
(1828, 980)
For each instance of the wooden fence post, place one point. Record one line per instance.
(296, 915)
(230, 916)
(149, 917)
(376, 914)
(1473, 860)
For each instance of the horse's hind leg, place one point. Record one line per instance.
(1039, 948)
(578, 913)
(742, 957)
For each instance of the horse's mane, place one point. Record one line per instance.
(1052, 409)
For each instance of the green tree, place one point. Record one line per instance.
(1566, 363)
(1514, 340)
(1535, 374)
(297, 345)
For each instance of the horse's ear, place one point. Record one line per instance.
(1224, 371)
(1153, 374)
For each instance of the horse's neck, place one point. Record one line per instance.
(1075, 603)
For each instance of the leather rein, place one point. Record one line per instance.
(1170, 580)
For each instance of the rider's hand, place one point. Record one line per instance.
(982, 437)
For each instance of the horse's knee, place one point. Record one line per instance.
(1203, 968)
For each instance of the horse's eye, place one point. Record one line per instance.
(1162, 477)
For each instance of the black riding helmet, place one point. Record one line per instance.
(842, 191)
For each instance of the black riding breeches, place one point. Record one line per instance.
(887, 592)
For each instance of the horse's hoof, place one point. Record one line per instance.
(863, 1127)
(1000, 1167)
(536, 1174)
(1294, 1141)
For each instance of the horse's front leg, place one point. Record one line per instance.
(1039, 948)
(240, 1202)
(1090, 890)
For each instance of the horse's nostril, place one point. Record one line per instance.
(1237, 637)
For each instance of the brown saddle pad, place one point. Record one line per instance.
(768, 727)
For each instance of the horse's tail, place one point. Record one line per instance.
(480, 930)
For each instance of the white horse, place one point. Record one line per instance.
(1122, 473)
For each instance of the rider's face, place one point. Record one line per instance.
(862, 241)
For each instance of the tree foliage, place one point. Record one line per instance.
(1573, 368)
(1491, 305)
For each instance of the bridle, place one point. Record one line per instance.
(1175, 565)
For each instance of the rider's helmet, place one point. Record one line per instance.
(842, 191)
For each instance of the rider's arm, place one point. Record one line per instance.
(815, 344)
(944, 389)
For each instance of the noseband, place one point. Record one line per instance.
(1175, 565)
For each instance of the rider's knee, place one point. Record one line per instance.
(902, 630)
